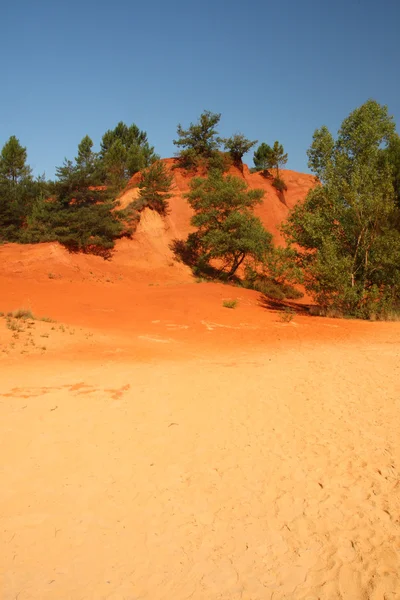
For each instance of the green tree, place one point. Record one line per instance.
(266, 157)
(78, 181)
(237, 146)
(345, 231)
(115, 165)
(154, 187)
(81, 215)
(278, 157)
(226, 227)
(200, 142)
(87, 161)
(394, 159)
(13, 167)
(17, 190)
(124, 151)
(262, 157)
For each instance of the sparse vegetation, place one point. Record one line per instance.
(287, 314)
(279, 184)
(230, 303)
(22, 313)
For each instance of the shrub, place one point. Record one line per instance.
(279, 184)
(23, 313)
(229, 303)
(270, 287)
(287, 314)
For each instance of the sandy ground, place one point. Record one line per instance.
(156, 446)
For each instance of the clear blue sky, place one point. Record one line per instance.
(275, 70)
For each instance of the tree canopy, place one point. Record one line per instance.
(349, 243)
(226, 227)
(154, 188)
(266, 157)
(124, 151)
(200, 142)
(238, 145)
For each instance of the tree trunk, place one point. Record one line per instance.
(236, 264)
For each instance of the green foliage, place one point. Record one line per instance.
(278, 158)
(346, 230)
(274, 277)
(81, 215)
(393, 151)
(266, 158)
(13, 167)
(87, 228)
(262, 156)
(220, 161)
(124, 152)
(287, 314)
(18, 190)
(226, 228)
(154, 188)
(279, 184)
(237, 146)
(199, 143)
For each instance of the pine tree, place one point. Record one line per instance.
(200, 142)
(154, 188)
(226, 227)
(237, 146)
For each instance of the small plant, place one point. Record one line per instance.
(287, 314)
(51, 276)
(229, 303)
(279, 184)
(47, 320)
(13, 325)
(23, 313)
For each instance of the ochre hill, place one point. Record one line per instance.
(147, 256)
(154, 233)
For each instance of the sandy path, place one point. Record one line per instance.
(250, 476)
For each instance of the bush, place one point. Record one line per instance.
(279, 184)
(287, 314)
(22, 313)
(229, 303)
(270, 287)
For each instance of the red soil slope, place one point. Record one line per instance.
(148, 256)
(273, 210)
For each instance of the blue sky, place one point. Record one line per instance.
(275, 70)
